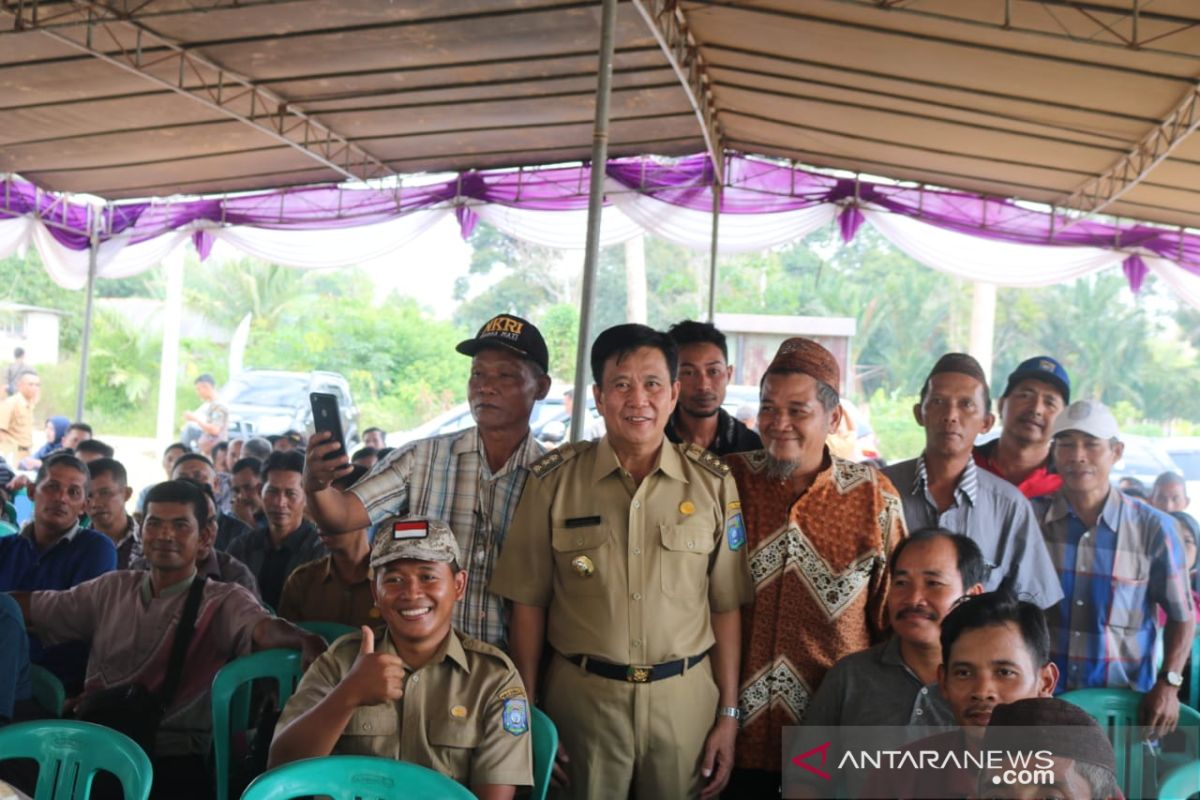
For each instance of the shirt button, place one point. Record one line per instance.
(637, 642)
(924, 691)
(481, 556)
(1078, 602)
(691, 545)
(1076, 633)
(366, 726)
(637, 551)
(415, 678)
(919, 712)
(579, 540)
(637, 503)
(637, 595)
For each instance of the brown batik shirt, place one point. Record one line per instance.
(819, 565)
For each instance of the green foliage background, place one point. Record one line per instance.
(1137, 353)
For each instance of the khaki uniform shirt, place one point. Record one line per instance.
(16, 428)
(315, 593)
(464, 714)
(629, 574)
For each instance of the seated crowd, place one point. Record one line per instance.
(673, 595)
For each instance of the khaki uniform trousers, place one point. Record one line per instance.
(618, 735)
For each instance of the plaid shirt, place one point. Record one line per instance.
(447, 477)
(1102, 634)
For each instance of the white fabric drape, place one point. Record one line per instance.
(565, 230)
(14, 235)
(332, 247)
(738, 233)
(977, 259)
(1186, 284)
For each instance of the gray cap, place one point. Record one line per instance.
(419, 538)
(1087, 416)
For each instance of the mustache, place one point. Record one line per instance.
(913, 611)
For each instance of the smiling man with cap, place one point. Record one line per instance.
(1117, 559)
(819, 532)
(470, 478)
(1037, 392)
(415, 690)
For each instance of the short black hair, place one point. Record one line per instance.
(186, 457)
(18, 352)
(365, 452)
(206, 378)
(998, 608)
(250, 463)
(174, 446)
(95, 446)
(289, 461)
(972, 567)
(64, 459)
(81, 426)
(692, 332)
(180, 491)
(373, 429)
(109, 466)
(220, 447)
(384, 452)
(621, 340)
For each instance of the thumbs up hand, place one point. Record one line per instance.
(375, 677)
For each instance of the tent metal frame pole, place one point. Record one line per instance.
(591, 256)
(712, 253)
(85, 345)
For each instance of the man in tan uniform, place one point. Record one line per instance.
(427, 695)
(626, 555)
(16, 418)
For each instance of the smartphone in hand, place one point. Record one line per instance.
(327, 417)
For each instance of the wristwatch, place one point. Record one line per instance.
(730, 711)
(1172, 678)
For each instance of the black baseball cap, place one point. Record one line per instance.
(511, 333)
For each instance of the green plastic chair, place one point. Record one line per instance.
(69, 753)
(355, 778)
(545, 747)
(231, 701)
(1116, 710)
(1182, 783)
(48, 690)
(327, 630)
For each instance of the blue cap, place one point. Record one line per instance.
(1041, 368)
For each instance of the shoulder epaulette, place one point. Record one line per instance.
(712, 463)
(555, 458)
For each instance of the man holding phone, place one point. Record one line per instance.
(472, 479)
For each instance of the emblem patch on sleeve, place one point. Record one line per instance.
(735, 531)
(516, 716)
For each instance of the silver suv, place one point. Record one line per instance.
(264, 402)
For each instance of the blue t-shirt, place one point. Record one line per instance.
(69, 562)
(14, 657)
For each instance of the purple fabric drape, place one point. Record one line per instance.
(751, 186)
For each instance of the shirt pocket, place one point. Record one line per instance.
(684, 562)
(582, 558)
(372, 731)
(452, 744)
(1130, 585)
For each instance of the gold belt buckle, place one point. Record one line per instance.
(638, 674)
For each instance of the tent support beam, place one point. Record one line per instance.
(712, 253)
(669, 26)
(208, 83)
(1099, 192)
(85, 344)
(591, 258)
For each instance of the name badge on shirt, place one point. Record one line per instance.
(581, 522)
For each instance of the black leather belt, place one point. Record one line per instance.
(633, 673)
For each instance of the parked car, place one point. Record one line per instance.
(459, 418)
(268, 402)
(1185, 452)
(1144, 458)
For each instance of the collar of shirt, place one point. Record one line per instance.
(451, 648)
(669, 461)
(723, 435)
(27, 532)
(147, 588)
(891, 657)
(211, 568)
(968, 482)
(528, 451)
(1110, 513)
(131, 531)
(328, 574)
